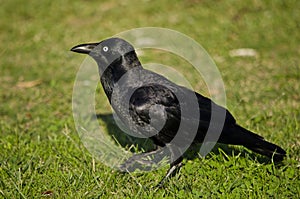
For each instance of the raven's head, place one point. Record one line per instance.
(113, 52)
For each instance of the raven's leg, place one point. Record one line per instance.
(174, 168)
(176, 163)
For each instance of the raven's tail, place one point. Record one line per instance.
(257, 143)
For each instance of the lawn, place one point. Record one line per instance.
(42, 155)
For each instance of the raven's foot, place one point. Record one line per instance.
(144, 161)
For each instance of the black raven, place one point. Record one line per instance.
(151, 106)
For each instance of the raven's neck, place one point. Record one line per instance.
(116, 70)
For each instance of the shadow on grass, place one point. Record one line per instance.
(122, 138)
(146, 144)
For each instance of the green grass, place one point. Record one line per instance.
(40, 149)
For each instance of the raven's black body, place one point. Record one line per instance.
(148, 103)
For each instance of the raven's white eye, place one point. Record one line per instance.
(105, 48)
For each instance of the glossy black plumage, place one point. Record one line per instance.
(148, 105)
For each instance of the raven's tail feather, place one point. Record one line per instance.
(257, 144)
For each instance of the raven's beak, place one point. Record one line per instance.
(84, 48)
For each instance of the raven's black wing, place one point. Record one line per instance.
(155, 104)
(158, 106)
